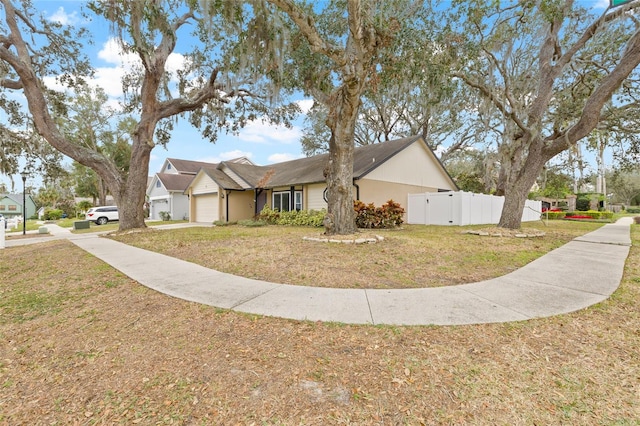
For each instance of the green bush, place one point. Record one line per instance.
(368, 216)
(583, 203)
(165, 216)
(52, 214)
(552, 215)
(634, 210)
(293, 217)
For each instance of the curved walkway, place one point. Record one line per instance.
(579, 274)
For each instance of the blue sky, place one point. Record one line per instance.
(261, 143)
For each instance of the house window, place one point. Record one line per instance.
(298, 201)
(2, 207)
(168, 166)
(157, 184)
(13, 208)
(282, 201)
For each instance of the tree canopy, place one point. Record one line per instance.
(213, 89)
(550, 72)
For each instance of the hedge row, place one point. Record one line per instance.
(593, 214)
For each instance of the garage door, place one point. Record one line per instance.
(206, 208)
(158, 206)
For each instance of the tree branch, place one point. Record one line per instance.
(307, 26)
(601, 95)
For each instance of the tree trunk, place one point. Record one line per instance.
(343, 111)
(132, 193)
(520, 179)
(102, 193)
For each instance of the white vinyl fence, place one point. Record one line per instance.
(462, 208)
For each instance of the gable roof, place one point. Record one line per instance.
(187, 166)
(238, 175)
(366, 158)
(222, 179)
(16, 198)
(174, 182)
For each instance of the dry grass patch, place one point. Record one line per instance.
(94, 347)
(415, 256)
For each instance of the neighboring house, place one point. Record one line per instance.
(11, 206)
(166, 194)
(390, 170)
(166, 189)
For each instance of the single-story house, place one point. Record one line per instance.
(231, 191)
(11, 206)
(166, 189)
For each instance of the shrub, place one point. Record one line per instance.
(52, 214)
(634, 210)
(293, 217)
(389, 215)
(269, 215)
(165, 216)
(590, 214)
(554, 215)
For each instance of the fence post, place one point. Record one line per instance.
(2, 224)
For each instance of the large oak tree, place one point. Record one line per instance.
(552, 71)
(338, 50)
(210, 89)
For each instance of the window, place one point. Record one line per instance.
(158, 184)
(168, 166)
(13, 208)
(298, 201)
(282, 201)
(2, 207)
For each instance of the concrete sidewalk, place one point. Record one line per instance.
(579, 274)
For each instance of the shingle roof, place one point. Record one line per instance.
(16, 198)
(311, 169)
(221, 178)
(306, 170)
(173, 182)
(187, 166)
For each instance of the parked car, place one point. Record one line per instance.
(102, 215)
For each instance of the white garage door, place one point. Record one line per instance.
(158, 206)
(206, 208)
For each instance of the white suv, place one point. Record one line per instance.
(102, 215)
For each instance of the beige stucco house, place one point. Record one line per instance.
(231, 191)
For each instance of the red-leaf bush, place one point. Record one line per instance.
(368, 216)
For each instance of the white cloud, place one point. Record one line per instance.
(110, 77)
(53, 84)
(112, 53)
(264, 133)
(64, 18)
(305, 105)
(175, 62)
(279, 158)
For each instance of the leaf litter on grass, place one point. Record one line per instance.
(411, 257)
(125, 354)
